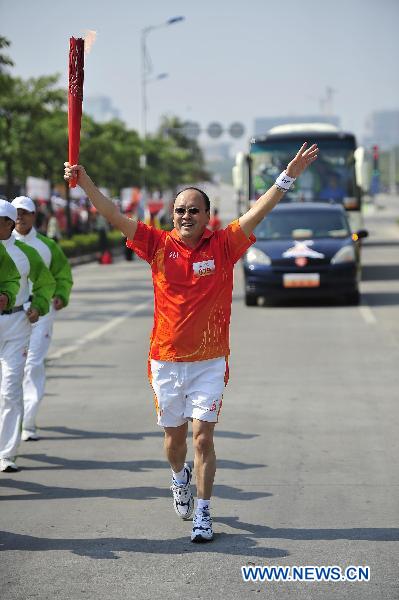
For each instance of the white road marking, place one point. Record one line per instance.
(96, 333)
(367, 314)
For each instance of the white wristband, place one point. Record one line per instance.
(284, 181)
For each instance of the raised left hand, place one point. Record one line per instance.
(58, 303)
(3, 301)
(304, 157)
(32, 314)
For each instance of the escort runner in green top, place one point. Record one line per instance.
(57, 262)
(15, 330)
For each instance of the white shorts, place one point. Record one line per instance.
(188, 390)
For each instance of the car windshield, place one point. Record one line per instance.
(303, 224)
(331, 177)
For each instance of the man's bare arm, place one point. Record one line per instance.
(269, 199)
(103, 204)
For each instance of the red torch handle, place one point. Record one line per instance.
(75, 99)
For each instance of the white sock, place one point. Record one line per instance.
(180, 477)
(202, 505)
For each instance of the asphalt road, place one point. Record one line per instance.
(307, 447)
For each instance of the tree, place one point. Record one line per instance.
(34, 139)
(185, 161)
(111, 152)
(5, 61)
(24, 106)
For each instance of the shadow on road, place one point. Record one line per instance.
(381, 298)
(85, 366)
(37, 491)
(372, 534)
(71, 376)
(245, 543)
(381, 243)
(106, 547)
(380, 273)
(93, 316)
(135, 466)
(77, 434)
(144, 284)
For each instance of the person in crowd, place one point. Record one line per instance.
(40, 340)
(15, 330)
(53, 230)
(214, 222)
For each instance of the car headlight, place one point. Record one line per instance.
(254, 256)
(345, 254)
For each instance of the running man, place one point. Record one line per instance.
(192, 271)
(15, 330)
(42, 331)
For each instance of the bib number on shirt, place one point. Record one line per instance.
(206, 267)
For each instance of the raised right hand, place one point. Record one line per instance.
(72, 171)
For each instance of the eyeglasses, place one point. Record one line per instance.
(180, 210)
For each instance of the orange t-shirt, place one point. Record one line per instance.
(192, 289)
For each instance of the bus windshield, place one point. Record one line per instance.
(330, 177)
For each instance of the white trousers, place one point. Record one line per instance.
(35, 373)
(14, 340)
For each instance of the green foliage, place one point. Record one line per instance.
(5, 61)
(184, 161)
(34, 141)
(111, 153)
(31, 133)
(88, 243)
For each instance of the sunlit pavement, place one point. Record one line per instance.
(307, 446)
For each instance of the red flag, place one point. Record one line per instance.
(75, 99)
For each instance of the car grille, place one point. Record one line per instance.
(313, 263)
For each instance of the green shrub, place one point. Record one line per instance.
(68, 246)
(87, 243)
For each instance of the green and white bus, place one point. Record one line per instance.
(339, 174)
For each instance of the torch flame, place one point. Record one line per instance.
(89, 38)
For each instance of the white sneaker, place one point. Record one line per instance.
(7, 465)
(202, 527)
(29, 435)
(183, 501)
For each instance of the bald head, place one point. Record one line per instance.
(200, 193)
(191, 215)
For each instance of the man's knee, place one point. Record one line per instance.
(175, 437)
(203, 441)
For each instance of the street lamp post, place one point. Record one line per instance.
(146, 68)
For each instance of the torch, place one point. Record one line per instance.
(75, 99)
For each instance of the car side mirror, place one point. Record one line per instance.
(362, 233)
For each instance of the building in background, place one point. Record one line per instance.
(219, 160)
(100, 108)
(263, 124)
(383, 129)
(217, 152)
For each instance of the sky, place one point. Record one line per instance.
(229, 60)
